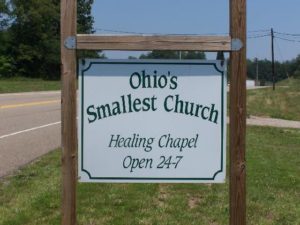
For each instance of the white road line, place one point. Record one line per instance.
(28, 130)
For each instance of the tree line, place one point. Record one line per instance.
(263, 68)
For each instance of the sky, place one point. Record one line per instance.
(203, 17)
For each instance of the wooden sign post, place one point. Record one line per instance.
(68, 115)
(235, 44)
(238, 75)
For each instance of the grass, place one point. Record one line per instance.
(283, 103)
(32, 195)
(22, 84)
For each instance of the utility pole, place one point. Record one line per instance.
(273, 63)
(256, 60)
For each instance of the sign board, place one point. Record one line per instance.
(152, 121)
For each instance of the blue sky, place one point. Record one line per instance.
(203, 17)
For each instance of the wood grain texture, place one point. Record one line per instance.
(168, 42)
(238, 115)
(68, 116)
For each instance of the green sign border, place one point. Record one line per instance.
(182, 62)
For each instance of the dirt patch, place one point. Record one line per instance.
(271, 122)
(261, 121)
(193, 202)
(162, 195)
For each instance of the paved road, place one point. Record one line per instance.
(29, 127)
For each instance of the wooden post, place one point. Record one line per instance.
(68, 115)
(238, 115)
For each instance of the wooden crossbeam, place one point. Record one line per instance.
(155, 42)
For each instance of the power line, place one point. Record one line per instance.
(258, 31)
(117, 31)
(258, 36)
(287, 34)
(189, 34)
(287, 39)
(140, 33)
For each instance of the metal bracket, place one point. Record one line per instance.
(236, 44)
(70, 42)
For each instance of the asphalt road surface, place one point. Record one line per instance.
(29, 127)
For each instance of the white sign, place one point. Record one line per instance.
(152, 121)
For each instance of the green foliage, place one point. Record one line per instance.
(294, 67)
(297, 74)
(85, 23)
(33, 49)
(160, 55)
(265, 70)
(6, 62)
(5, 66)
(35, 38)
(193, 55)
(173, 55)
(283, 70)
(85, 20)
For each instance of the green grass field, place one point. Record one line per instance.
(21, 84)
(32, 196)
(283, 103)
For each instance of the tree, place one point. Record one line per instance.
(35, 35)
(294, 67)
(85, 23)
(193, 55)
(160, 55)
(173, 55)
(265, 70)
(5, 59)
(85, 20)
